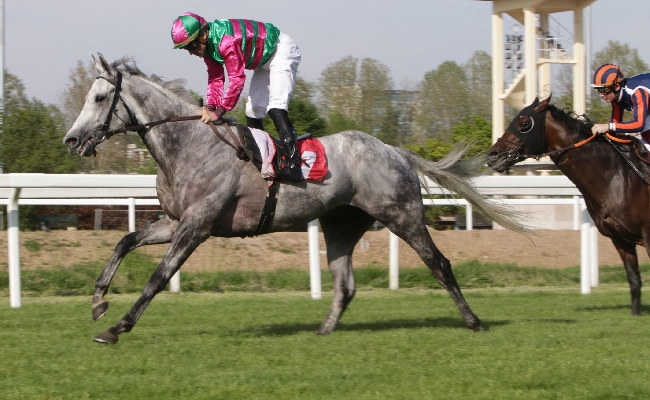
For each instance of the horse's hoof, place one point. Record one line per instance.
(99, 310)
(478, 329)
(106, 337)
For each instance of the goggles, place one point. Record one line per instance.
(605, 89)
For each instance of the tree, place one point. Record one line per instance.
(338, 89)
(376, 85)
(32, 133)
(441, 102)
(73, 99)
(356, 95)
(389, 132)
(479, 83)
(475, 130)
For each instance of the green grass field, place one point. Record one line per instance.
(406, 344)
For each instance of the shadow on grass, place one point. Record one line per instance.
(442, 322)
(644, 308)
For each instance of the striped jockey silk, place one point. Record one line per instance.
(256, 40)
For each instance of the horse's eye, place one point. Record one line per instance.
(526, 125)
(99, 98)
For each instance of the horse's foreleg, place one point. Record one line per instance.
(627, 252)
(159, 232)
(342, 229)
(191, 232)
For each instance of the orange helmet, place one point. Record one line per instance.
(607, 75)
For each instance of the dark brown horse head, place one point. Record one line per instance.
(525, 136)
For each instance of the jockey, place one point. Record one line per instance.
(240, 44)
(622, 93)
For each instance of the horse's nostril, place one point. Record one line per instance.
(71, 142)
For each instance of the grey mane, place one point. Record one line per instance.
(127, 65)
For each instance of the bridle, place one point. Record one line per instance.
(104, 129)
(515, 155)
(141, 129)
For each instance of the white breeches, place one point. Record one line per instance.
(272, 83)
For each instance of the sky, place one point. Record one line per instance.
(44, 39)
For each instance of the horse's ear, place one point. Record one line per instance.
(102, 65)
(541, 106)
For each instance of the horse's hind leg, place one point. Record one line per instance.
(342, 229)
(159, 232)
(414, 232)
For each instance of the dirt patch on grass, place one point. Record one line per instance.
(550, 249)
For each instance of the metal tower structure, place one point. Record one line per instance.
(528, 56)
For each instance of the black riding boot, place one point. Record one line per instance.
(287, 135)
(254, 123)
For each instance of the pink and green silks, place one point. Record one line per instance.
(239, 44)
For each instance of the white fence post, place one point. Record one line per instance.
(131, 214)
(593, 254)
(576, 213)
(314, 261)
(393, 267)
(585, 253)
(13, 239)
(175, 282)
(469, 217)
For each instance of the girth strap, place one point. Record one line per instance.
(268, 212)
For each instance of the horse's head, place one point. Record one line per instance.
(525, 136)
(95, 122)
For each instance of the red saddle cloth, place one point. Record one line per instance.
(314, 160)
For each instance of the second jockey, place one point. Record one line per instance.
(632, 94)
(240, 44)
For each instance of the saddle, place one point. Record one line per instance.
(251, 151)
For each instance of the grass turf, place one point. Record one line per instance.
(538, 343)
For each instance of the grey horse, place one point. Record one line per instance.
(205, 190)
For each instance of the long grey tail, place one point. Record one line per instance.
(455, 175)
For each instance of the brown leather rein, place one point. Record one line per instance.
(573, 146)
(136, 128)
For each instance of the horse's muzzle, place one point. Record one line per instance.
(77, 146)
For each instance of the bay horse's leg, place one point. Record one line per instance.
(342, 229)
(627, 252)
(192, 230)
(158, 233)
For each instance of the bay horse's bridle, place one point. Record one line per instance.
(515, 155)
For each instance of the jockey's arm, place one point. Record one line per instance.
(235, 67)
(216, 79)
(639, 114)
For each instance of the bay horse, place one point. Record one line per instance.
(617, 200)
(205, 190)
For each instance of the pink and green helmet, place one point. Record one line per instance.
(186, 28)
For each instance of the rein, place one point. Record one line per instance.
(140, 128)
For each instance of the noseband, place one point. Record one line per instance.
(103, 133)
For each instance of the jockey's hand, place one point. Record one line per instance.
(211, 114)
(600, 128)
